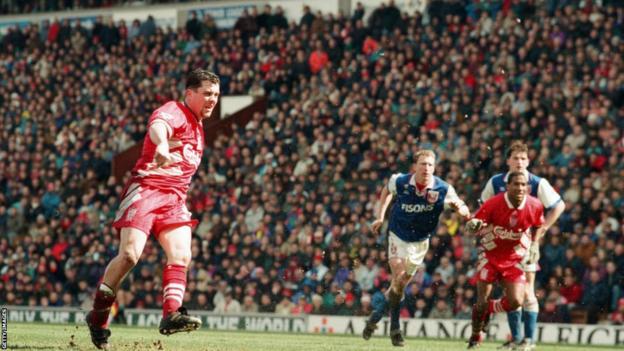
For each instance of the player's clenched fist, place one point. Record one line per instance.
(534, 253)
(474, 225)
(376, 225)
(162, 157)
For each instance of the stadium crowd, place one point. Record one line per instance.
(286, 203)
(37, 6)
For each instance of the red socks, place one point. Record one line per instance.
(104, 299)
(500, 305)
(174, 284)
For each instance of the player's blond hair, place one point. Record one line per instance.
(425, 153)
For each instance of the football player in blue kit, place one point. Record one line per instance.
(518, 161)
(418, 200)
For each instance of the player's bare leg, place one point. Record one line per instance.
(402, 272)
(393, 300)
(132, 242)
(480, 315)
(177, 245)
(513, 298)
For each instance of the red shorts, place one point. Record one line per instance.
(491, 271)
(151, 210)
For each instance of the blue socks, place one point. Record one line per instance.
(379, 304)
(530, 324)
(514, 318)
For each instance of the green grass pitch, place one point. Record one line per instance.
(29, 336)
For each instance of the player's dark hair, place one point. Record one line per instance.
(517, 146)
(513, 175)
(197, 76)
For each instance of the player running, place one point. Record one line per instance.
(518, 161)
(154, 203)
(419, 199)
(505, 224)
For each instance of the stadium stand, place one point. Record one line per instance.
(285, 203)
(38, 6)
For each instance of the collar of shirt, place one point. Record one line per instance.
(191, 113)
(421, 193)
(511, 206)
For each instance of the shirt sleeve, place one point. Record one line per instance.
(172, 121)
(539, 215)
(547, 194)
(392, 183)
(483, 213)
(451, 197)
(487, 192)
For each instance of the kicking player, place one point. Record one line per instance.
(419, 199)
(154, 203)
(518, 161)
(505, 224)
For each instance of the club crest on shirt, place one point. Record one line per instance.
(432, 196)
(393, 249)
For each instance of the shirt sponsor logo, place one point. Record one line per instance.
(416, 208)
(505, 234)
(192, 156)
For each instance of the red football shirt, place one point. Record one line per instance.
(508, 235)
(186, 144)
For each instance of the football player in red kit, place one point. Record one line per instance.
(154, 203)
(505, 223)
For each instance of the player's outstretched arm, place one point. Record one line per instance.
(453, 201)
(551, 217)
(386, 197)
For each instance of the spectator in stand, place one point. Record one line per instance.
(302, 306)
(571, 290)
(285, 306)
(617, 316)
(194, 26)
(228, 304)
(318, 59)
(249, 306)
(441, 311)
(553, 312)
(595, 297)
